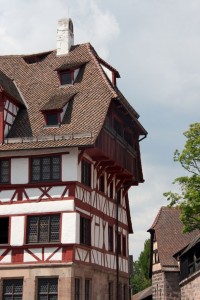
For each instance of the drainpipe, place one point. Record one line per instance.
(117, 239)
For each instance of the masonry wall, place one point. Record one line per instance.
(66, 273)
(190, 287)
(165, 286)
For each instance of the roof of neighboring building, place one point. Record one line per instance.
(145, 294)
(169, 235)
(89, 98)
(193, 243)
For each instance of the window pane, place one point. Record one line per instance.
(43, 229)
(66, 78)
(4, 171)
(46, 168)
(32, 230)
(13, 289)
(47, 288)
(52, 119)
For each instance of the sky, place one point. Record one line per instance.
(155, 46)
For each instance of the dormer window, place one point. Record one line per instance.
(52, 119)
(67, 77)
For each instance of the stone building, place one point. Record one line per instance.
(167, 238)
(69, 152)
(190, 271)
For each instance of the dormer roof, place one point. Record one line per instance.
(8, 86)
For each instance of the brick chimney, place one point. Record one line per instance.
(65, 36)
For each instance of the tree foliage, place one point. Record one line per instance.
(189, 196)
(140, 279)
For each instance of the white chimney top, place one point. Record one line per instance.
(65, 36)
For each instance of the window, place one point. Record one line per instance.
(110, 291)
(86, 173)
(12, 289)
(77, 288)
(45, 168)
(155, 257)
(119, 197)
(66, 77)
(110, 238)
(119, 248)
(4, 171)
(125, 292)
(117, 127)
(102, 184)
(87, 289)
(124, 246)
(47, 288)
(4, 226)
(85, 235)
(128, 138)
(43, 229)
(52, 118)
(111, 190)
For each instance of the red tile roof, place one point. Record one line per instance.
(169, 235)
(40, 87)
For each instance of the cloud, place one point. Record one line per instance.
(96, 25)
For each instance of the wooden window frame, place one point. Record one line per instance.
(110, 238)
(88, 289)
(3, 169)
(77, 288)
(8, 230)
(102, 183)
(70, 72)
(13, 294)
(110, 290)
(85, 231)
(124, 246)
(39, 227)
(48, 292)
(86, 172)
(41, 166)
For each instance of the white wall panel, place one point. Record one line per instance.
(69, 165)
(70, 228)
(19, 170)
(17, 231)
(39, 207)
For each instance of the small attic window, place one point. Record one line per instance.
(35, 58)
(52, 118)
(66, 77)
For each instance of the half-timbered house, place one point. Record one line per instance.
(69, 152)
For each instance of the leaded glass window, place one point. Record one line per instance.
(4, 171)
(45, 168)
(43, 229)
(47, 288)
(12, 289)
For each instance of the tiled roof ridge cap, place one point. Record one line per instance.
(90, 50)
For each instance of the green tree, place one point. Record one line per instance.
(189, 196)
(140, 278)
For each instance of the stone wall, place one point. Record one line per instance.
(66, 273)
(190, 287)
(165, 286)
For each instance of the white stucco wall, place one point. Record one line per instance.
(69, 165)
(38, 207)
(108, 72)
(17, 231)
(19, 170)
(70, 228)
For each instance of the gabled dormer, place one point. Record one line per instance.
(67, 73)
(10, 102)
(54, 110)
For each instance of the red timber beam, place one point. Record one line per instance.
(1, 116)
